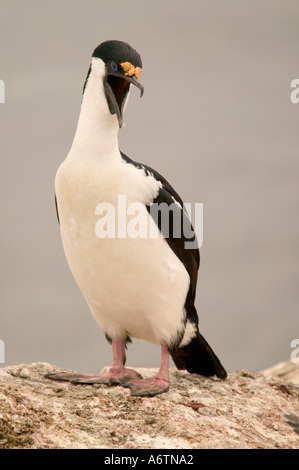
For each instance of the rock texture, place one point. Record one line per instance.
(248, 411)
(288, 371)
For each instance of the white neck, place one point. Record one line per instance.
(97, 129)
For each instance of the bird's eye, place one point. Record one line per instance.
(114, 66)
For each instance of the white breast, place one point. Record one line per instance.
(133, 286)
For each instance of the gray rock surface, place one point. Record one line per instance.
(248, 411)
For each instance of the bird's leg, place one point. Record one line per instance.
(155, 385)
(116, 375)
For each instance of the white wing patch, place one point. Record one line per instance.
(190, 332)
(176, 202)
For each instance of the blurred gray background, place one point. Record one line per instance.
(216, 120)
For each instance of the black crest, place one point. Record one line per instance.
(118, 51)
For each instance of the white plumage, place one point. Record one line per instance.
(141, 287)
(133, 287)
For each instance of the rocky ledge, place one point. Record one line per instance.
(247, 410)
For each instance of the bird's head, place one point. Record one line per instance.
(118, 65)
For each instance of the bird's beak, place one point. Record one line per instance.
(117, 87)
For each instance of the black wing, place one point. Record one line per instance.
(189, 256)
(56, 206)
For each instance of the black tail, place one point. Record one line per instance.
(197, 357)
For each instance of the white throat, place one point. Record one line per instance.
(97, 129)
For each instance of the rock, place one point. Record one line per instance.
(288, 371)
(247, 410)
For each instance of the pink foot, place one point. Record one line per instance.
(113, 377)
(64, 376)
(147, 387)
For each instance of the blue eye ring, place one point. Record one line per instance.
(114, 66)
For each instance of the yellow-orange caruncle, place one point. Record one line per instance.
(130, 70)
